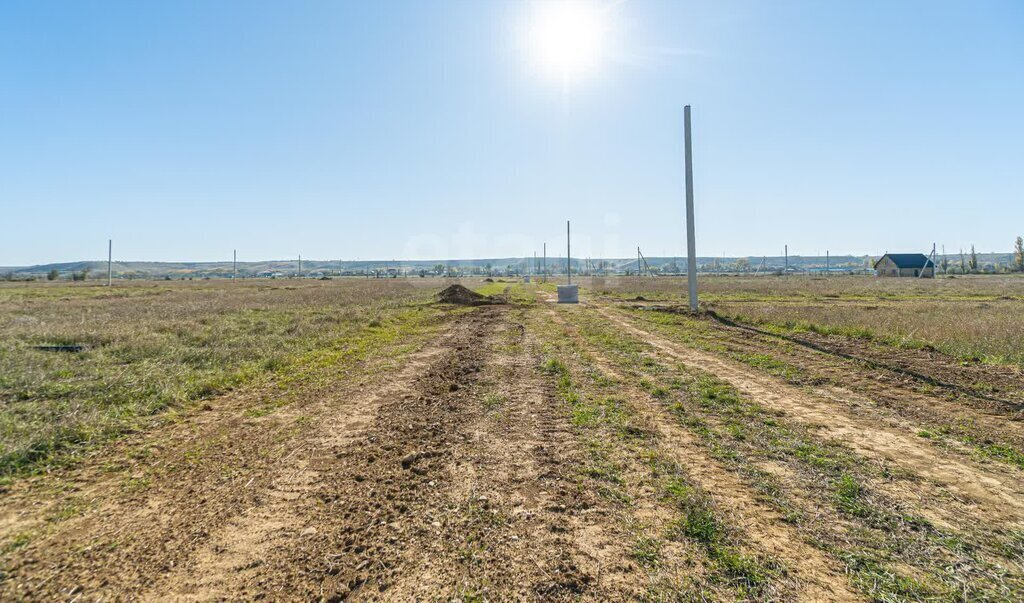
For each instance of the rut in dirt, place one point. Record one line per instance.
(458, 485)
(999, 386)
(954, 487)
(452, 474)
(149, 509)
(921, 385)
(444, 495)
(811, 575)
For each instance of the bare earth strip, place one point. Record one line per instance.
(993, 387)
(145, 510)
(917, 385)
(437, 500)
(231, 561)
(992, 494)
(819, 577)
(520, 462)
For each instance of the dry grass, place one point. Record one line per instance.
(153, 346)
(988, 331)
(150, 347)
(795, 288)
(972, 317)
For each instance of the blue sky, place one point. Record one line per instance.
(422, 129)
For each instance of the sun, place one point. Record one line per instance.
(567, 37)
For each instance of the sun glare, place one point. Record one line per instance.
(567, 36)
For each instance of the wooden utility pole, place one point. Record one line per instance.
(638, 262)
(234, 264)
(300, 265)
(691, 244)
(110, 261)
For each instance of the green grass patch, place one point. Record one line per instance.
(179, 347)
(647, 551)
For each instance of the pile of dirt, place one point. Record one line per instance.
(457, 294)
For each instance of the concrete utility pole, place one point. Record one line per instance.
(234, 264)
(568, 253)
(931, 258)
(785, 252)
(638, 261)
(110, 260)
(300, 265)
(544, 265)
(691, 244)
(826, 262)
(568, 293)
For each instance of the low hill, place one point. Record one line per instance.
(316, 268)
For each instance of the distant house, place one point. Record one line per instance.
(905, 264)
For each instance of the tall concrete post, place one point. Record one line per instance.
(234, 264)
(110, 260)
(691, 244)
(568, 293)
(568, 253)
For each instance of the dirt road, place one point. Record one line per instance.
(446, 472)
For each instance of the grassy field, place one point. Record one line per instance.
(152, 347)
(840, 439)
(968, 317)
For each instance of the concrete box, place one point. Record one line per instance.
(568, 294)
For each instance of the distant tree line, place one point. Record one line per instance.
(971, 264)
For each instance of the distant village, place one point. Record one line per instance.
(884, 265)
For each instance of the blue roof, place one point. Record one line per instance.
(908, 260)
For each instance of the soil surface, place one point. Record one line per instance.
(465, 465)
(459, 295)
(399, 486)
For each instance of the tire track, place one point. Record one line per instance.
(526, 530)
(146, 509)
(991, 497)
(890, 386)
(230, 561)
(818, 576)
